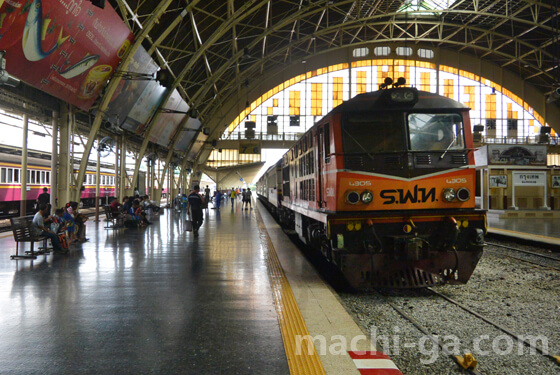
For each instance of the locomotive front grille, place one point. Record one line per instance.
(410, 278)
(459, 159)
(423, 159)
(393, 161)
(354, 162)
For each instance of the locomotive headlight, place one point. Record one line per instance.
(463, 194)
(352, 197)
(404, 95)
(449, 194)
(367, 196)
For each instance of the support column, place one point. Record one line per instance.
(54, 162)
(64, 158)
(117, 174)
(23, 176)
(97, 183)
(122, 183)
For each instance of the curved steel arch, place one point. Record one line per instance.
(213, 47)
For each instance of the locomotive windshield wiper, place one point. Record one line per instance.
(358, 143)
(448, 147)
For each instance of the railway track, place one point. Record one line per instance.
(465, 362)
(552, 262)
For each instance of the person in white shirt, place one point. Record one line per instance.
(39, 229)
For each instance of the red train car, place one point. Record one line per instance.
(383, 186)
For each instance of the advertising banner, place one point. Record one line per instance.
(517, 155)
(68, 48)
(167, 123)
(186, 136)
(135, 100)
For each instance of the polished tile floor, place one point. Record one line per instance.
(542, 227)
(146, 301)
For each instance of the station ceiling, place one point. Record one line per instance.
(215, 47)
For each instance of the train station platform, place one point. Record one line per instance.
(525, 225)
(238, 299)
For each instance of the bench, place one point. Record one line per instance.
(111, 217)
(23, 232)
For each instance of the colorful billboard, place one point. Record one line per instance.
(68, 49)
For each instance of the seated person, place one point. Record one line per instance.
(127, 203)
(139, 212)
(39, 228)
(115, 204)
(70, 225)
(151, 204)
(58, 224)
(79, 220)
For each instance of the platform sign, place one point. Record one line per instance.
(529, 178)
(68, 49)
(247, 147)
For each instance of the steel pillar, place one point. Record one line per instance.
(65, 169)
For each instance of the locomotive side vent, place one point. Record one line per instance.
(393, 161)
(459, 159)
(423, 159)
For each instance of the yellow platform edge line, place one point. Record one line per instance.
(301, 353)
(512, 232)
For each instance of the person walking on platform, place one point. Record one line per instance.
(249, 198)
(232, 195)
(218, 200)
(194, 208)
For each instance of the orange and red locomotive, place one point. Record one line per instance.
(384, 187)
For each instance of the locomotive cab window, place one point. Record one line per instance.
(430, 132)
(373, 132)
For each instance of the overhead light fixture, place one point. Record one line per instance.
(554, 96)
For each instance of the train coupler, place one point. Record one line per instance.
(467, 361)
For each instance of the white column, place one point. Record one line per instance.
(54, 162)
(23, 176)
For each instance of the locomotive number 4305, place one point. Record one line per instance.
(359, 183)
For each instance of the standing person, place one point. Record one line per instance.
(44, 198)
(207, 194)
(232, 196)
(243, 199)
(248, 197)
(39, 228)
(218, 199)
(194, 208)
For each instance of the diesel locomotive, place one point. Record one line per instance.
(383, 186)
